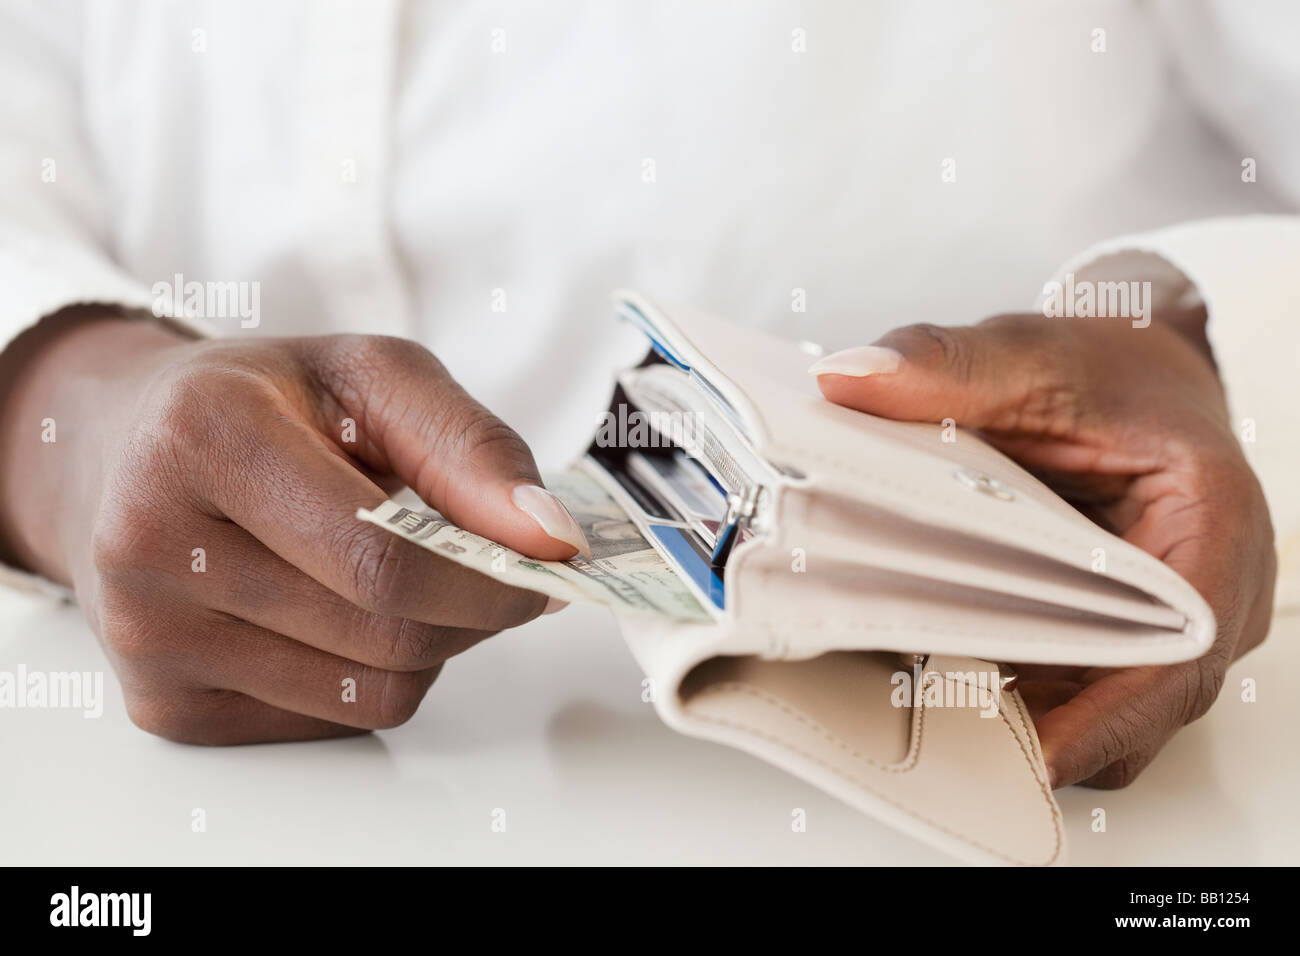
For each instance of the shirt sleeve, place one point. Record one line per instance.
(54, 250)
(1245, 270)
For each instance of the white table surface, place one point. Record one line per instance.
(547, 723)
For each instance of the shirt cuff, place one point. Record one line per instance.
(40, 276)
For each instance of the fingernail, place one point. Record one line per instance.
(554, 604)
(860, 362)
(549, 512)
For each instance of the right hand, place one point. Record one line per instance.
(165, 445)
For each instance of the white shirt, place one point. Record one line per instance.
(479, 175)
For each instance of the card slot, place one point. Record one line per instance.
(652, 506)
(675, 540)
(694, 424)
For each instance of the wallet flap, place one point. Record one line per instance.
(956, 765)
(1080, 595)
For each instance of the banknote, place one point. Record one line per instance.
(624, 572)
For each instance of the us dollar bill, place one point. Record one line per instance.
(624, 573)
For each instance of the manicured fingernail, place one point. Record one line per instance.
(554, 604)
(549, 512)
(860, 362)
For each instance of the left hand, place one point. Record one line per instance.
(1130, 425)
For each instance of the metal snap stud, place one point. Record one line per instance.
(978, 481)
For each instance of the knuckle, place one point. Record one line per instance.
(400, 696)
(132, 632)
(359, 372)
(148, 715)
(408, 645)
(198, 397)
(1030, 339)
(136, 523)
(384, 352)
(135, 541)
(185, 404)
(1047, 404)
(198, 419)
(174, 718)
(932, 344)
(475, 431)
(129, 643)
(514, 608)
(1015, 326)
(381, 572)
(1201, 688)
(1119, 774)
(117, 542)
(1120, 733)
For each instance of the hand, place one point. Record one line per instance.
(1131, 426)
(164, 446)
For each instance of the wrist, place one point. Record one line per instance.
(63, 385)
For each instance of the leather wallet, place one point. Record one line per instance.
(866, 580)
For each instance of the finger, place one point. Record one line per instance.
(245, 580)
(1071, 673)
(414, 420)
(219, 718)
(300, 500)
(1122, 772)
(980, 376)
(1208, 527)
(1124, 718)
(241, 657)
(1043, 696)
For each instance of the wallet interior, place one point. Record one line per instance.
(680, 500)
(682, 467)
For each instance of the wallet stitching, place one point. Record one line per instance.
(780, 704)
(1144, 571)
(1043, 786)
(915, 732)
(1026, 723)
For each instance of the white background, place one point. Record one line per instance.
(546, 722)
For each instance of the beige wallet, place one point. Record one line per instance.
(865, 577)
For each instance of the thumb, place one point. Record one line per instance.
(973, 374)
(415, 421)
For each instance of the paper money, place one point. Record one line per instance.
(624, 573)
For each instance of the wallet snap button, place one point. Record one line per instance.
(978, 481)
